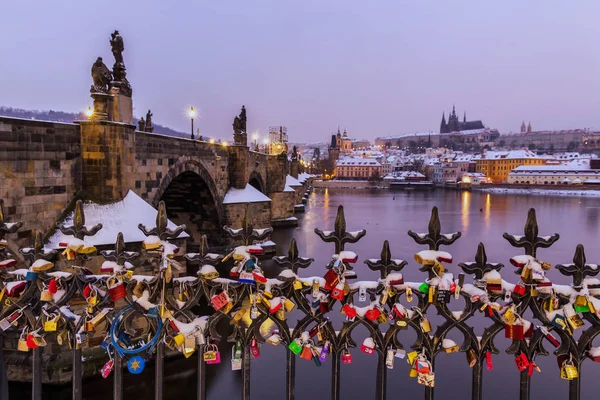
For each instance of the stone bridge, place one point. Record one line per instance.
(44, 166)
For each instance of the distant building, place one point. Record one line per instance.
(454, 125)
(357, 168)
(526, 129)
(498, 164)
(360, 144)
(582, 171)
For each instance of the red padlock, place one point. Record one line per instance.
(324, 307)
(368, 346)
(31, 342)
(338, 292)
(522, 362)
(117, 291)
(519, 289)
(219, 301)
(276, 305)
(52, 286)
(346, 357)
(349, 310)
(488, 361)
(373, 314)
(254, 349)
(331, 279)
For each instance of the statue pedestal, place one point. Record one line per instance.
(121, 107)
(101, 106)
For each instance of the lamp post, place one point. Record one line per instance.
(192, 114)
(255, 137)
(89, 113)
(266, 145)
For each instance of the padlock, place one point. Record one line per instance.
(254, 312)
(514, 332)
(107, 368)
(178, 339)
(425, 325)
(219, 301)
(471, 358)
(399, 311)
(519, 289)
(372, 314)
(522, 362)
(575, 321)
(568, 370)
(315, 288)
(281, 315)
(409, 294)
(560, 322)
(424, 288)
(426, 379)
(581, 304)
(51, 324)
(316, 356)
(368, 346)
(306, 353)
(509, 316)
(275, 305)
(338, 292)
(295, 347)
(31, 276)
(247, 277)
(549, 336)
(39, 340)
(362, 294)
(22, 343)
(430, 294)
(346, 357)
(443, 297)
(213, 356)
(488, 361)
(116, 288)
(297, 285)
(7, 322)
(236, 361)
(62, 337)
(349, 311)
(382, 318)
(324, 306)
(423, 366)
(389, 359)
(458, 286)
(324, 351)
(288, 305)
(331, 279)
(254, 349)
(46, 296)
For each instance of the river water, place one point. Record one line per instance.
(481, 217)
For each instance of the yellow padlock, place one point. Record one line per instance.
(179, 339)
(288, 305)
(297, 285)
(568, 370)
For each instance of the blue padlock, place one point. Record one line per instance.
(31, 276)
(124, 338)
(136, 365)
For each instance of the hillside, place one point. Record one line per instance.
(61, 116)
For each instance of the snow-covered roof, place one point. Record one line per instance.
(291, 181)
(512, 154)
(247, 195)
(123, 216)
(303, 177)
(355, 162)
(575, 165)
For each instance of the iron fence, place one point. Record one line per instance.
(76, 308)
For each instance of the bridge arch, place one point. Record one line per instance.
(191, 197)
(256, 181)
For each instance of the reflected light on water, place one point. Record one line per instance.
(326, 198)
(466, 202)
(488, 206)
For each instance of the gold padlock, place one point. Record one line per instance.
(227, 307)
(431, 294)
(591, 306)
(62, 337)
(51, 324)
(239, 315)
(548, 304)
(280, 314)
(128, 274)
(471, 358)
(22, 345)
(45, 296)
(568, 370)
(288, 305)
(297, 285)
(189, 346)
(138, 289)
(39, 340)
(382, 318)
(210, 355)
(575, 321)
(509, 316)
(425, 325)
(179, 339)
(409, 294)
(2, 292)
(581, 301)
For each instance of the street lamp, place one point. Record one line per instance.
(255, 137)
(266, 145)
(211, 141)
(89, 112)
(192, 115)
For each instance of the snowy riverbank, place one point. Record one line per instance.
(541, 192)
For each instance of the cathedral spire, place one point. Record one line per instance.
(465, 118)
(443, 124)
(453, 111)
(523, 128)
(529, 127)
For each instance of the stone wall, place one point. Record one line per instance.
(277, 170)
(260, 214)
(40, 170)
(283, 205)
(160, 159)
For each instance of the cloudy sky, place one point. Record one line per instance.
(373, 67)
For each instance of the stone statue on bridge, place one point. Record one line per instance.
(142, 125)
(120, 83)
(239, 128)
(294, 153)
(149, 126)
(101, 76)
(117, 46)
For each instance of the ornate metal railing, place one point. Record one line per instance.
(134, 317)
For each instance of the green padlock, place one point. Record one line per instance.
(424, 288)
(295, 347)
(581, 309)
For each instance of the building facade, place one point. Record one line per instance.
(497, 164)
(584, 171)
(357, 168)
(454, 125)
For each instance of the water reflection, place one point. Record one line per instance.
(466, 202)
(488, 208)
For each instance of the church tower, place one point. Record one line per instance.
(523, 128)
(443, 127)
(529, 127)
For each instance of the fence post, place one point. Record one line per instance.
(246, 373)
(290, 378)
(476, 388)
(36, 374)
(525, 386)
(380, 392)
(159, 370)
(3, 376)
(118, 382)
(201, 374)
(77, 372)
(335, 375)
(575, 387)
